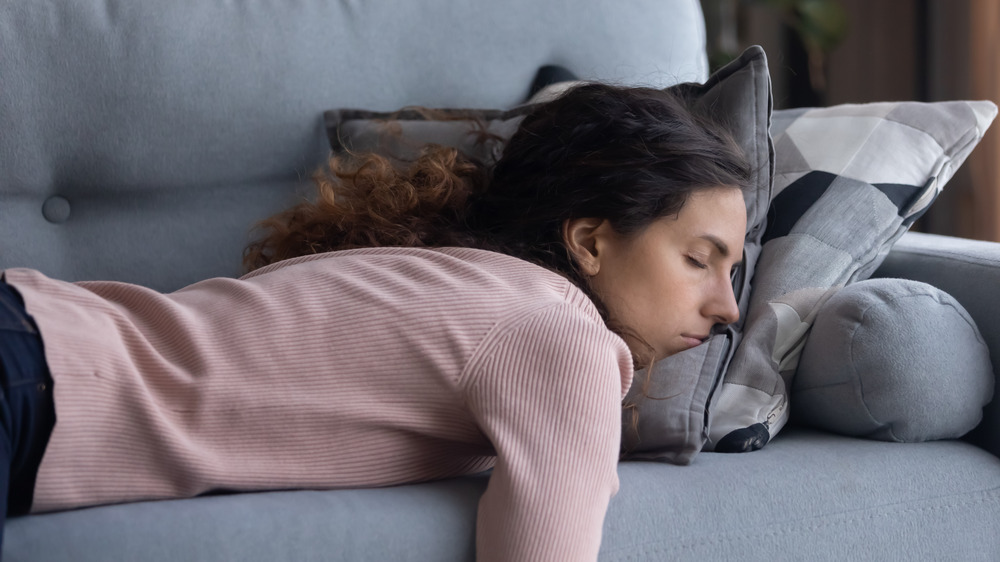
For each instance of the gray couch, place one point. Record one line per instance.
(139, 140)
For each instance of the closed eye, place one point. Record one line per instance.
(697, 263)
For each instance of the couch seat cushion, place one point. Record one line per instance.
(808, 495)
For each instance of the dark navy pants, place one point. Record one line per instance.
(27, 413)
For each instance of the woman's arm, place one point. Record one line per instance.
(548, 395)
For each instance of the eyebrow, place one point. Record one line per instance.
(719, 244)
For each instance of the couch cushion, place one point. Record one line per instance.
(141, 140)
(808, 495)
(812, 496)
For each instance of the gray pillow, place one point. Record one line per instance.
(894, 360)
(478, 133)
(672, 403)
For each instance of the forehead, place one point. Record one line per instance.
(718, 214)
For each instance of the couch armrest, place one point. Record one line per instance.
(969, 270)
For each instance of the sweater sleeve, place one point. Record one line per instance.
(548, 393)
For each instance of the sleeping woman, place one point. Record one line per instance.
(411, 324)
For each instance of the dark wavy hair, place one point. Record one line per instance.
(628, 155)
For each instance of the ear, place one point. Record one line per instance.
(582, 238)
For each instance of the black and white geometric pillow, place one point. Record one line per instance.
(849, 180)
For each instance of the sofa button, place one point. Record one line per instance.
(56, 209)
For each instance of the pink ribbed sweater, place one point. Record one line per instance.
(347, 369)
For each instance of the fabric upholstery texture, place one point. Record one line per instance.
(134, 132)
(849, 180)
(895, 360)
(737, 96)
(808, 495)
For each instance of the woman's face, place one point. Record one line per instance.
(671, 283)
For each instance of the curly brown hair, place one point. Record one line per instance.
(365, 200)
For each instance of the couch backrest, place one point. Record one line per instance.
(140, 140)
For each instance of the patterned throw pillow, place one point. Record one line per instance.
(739, 97)
(849, 180)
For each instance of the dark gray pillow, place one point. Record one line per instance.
(673, 401)
(478, 133)
(895, 360)
(738, 96)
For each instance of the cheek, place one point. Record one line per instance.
(661, 300)
(653, 293)
(681, 296)
(635, 296)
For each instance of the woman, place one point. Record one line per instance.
(412, 324)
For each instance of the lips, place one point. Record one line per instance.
(694, 340)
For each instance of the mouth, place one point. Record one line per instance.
(693, 340)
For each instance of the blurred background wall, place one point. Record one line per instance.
(828, 52)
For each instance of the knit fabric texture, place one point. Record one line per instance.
(358, 368)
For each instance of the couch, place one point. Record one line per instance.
(141, 140)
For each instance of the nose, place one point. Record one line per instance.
(722, 306)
